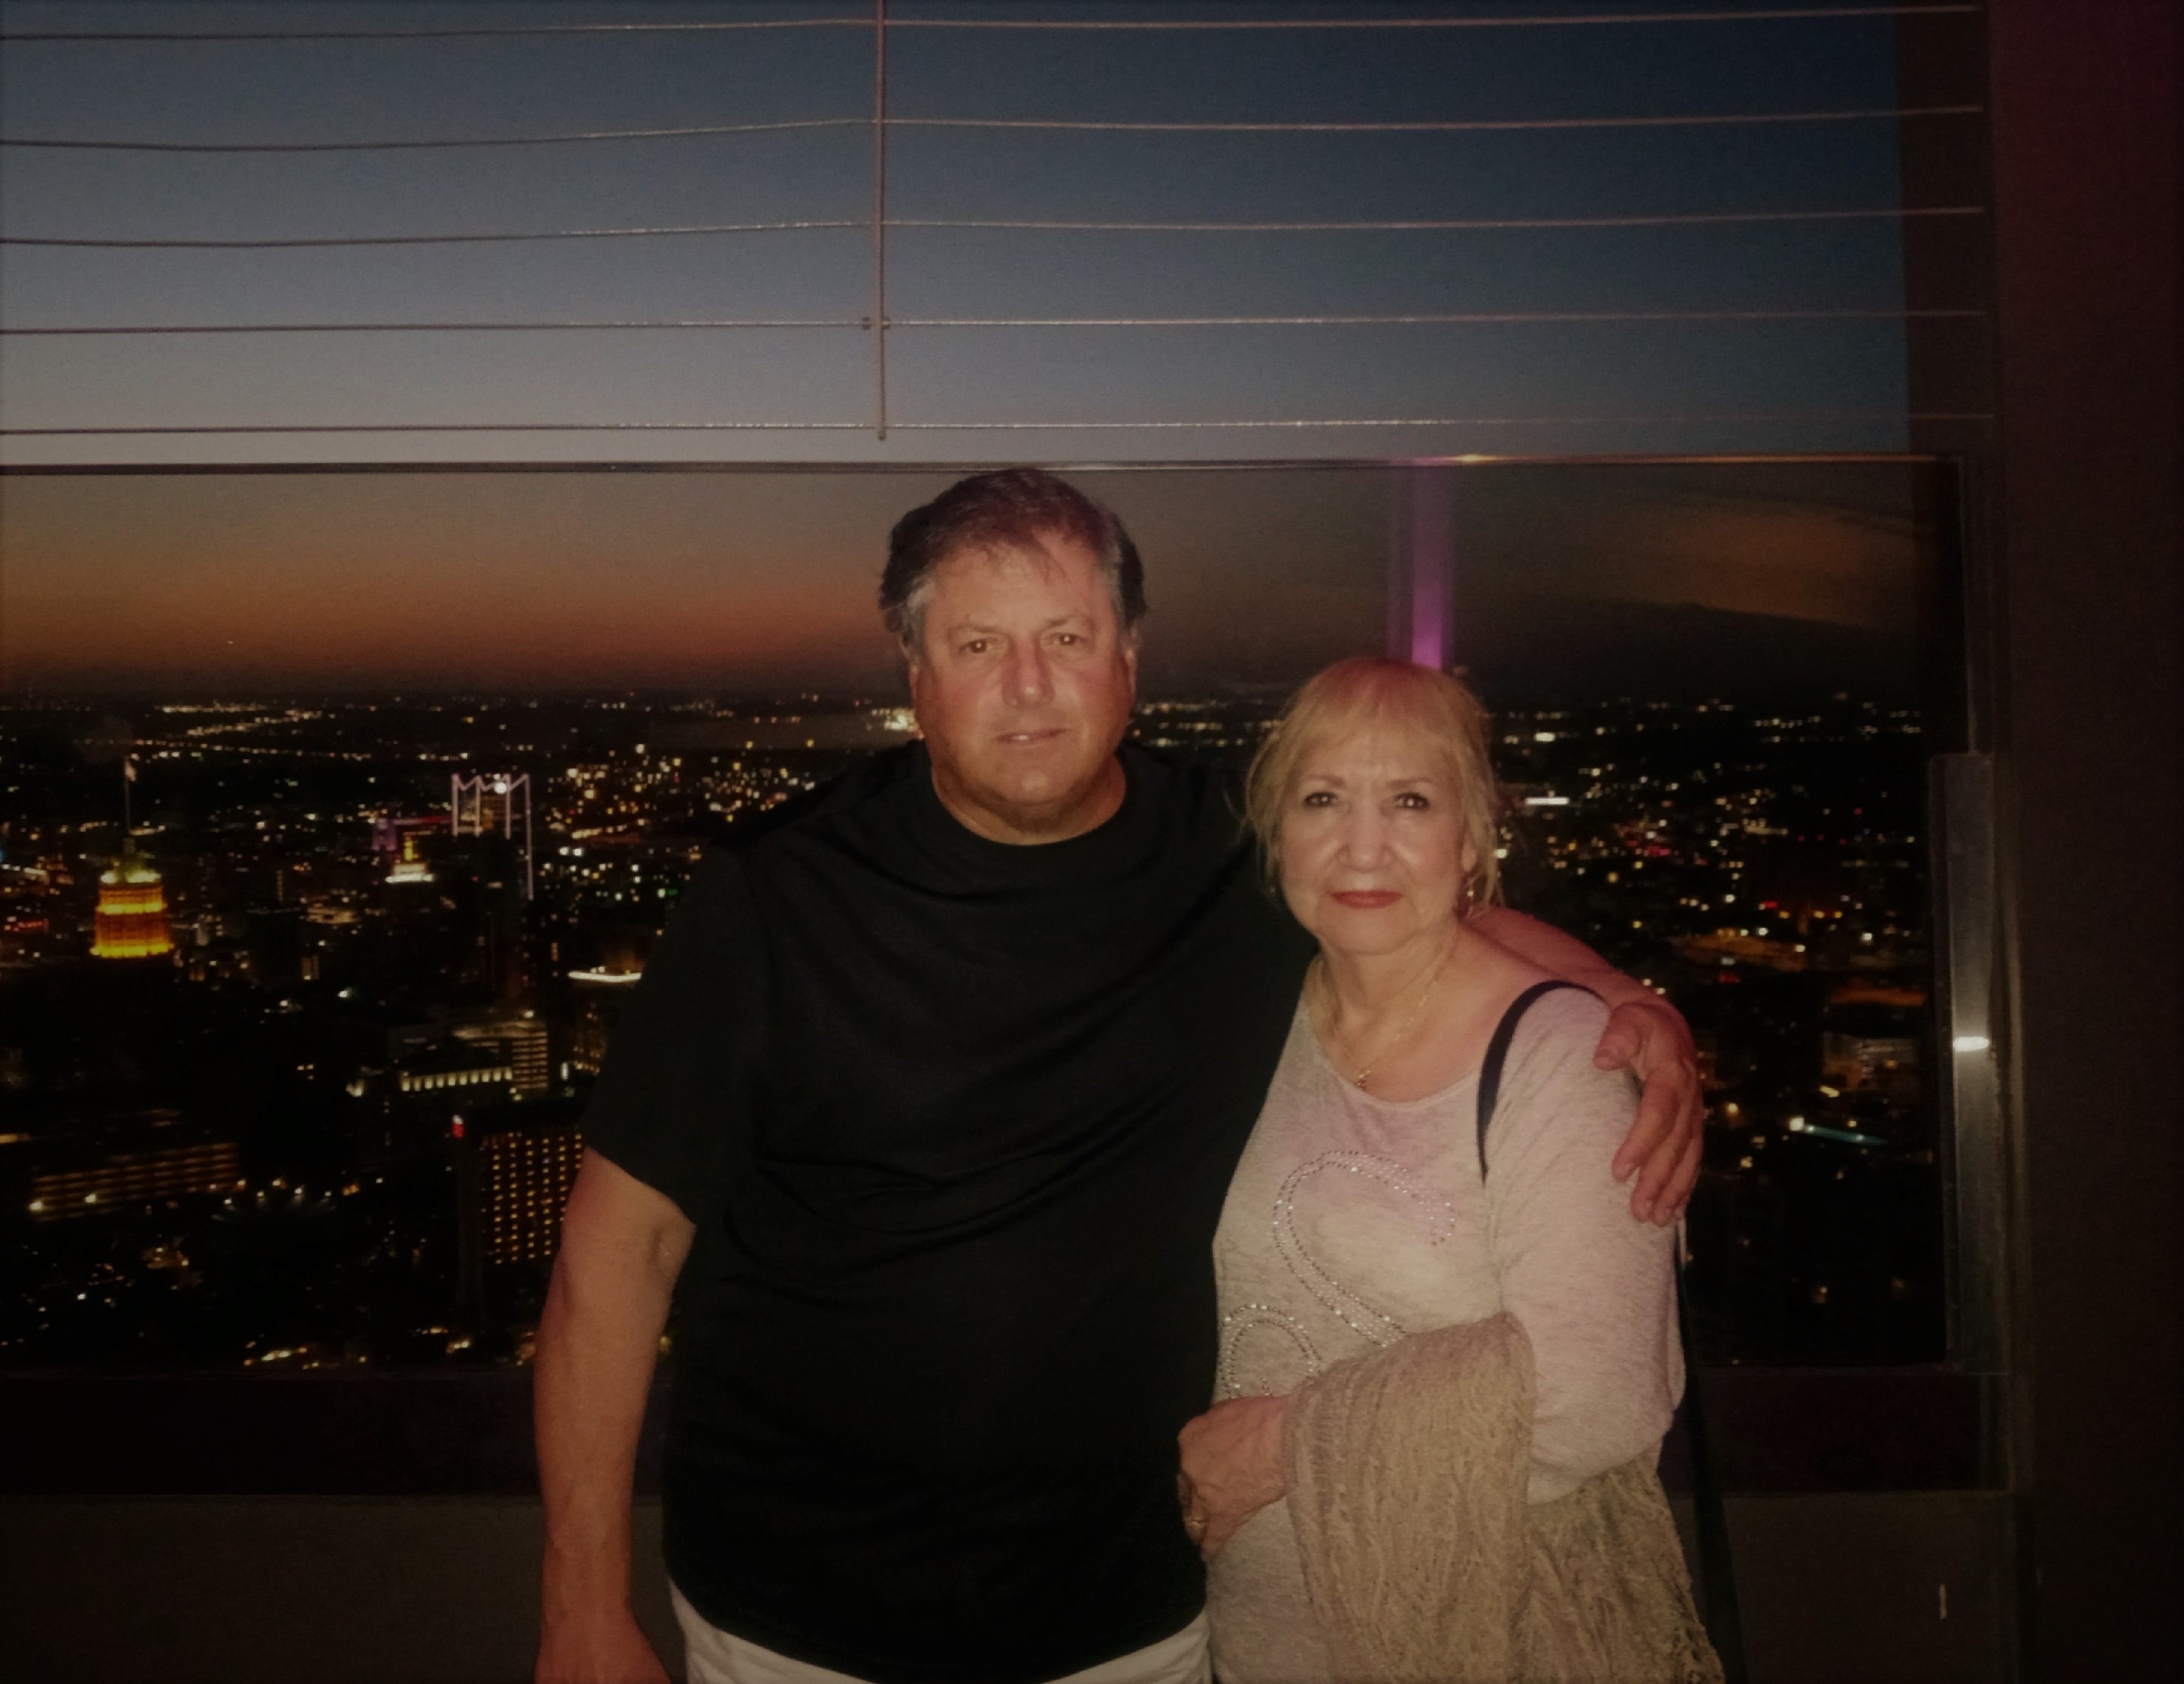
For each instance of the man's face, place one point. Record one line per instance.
(1022, 683)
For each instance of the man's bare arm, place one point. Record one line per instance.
(1647, 1034)
(623, 1246)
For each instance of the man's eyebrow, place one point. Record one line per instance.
(984, 626)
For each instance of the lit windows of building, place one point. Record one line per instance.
(397, 844)
(129, 1180)
(587, 1042)
(514, 1168)
(1886, 1064)
(432, 1082)
(525, 1047)
(526, 1181)
(410, 1109)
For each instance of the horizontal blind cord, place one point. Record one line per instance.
(1450, 225)
(1445, 318)
(1572, 20)
(1424, 126)
(1255, 424)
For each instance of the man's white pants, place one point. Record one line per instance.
(718, 1657)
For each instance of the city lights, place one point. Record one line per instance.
(420, 942)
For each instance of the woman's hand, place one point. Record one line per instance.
(1231, 1467)
(1650, 1036)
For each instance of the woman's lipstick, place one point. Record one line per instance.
(1367, 900)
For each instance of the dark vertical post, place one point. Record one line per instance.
(2087, 193)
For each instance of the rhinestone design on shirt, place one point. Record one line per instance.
(1241, 1321)
(1353, 1312)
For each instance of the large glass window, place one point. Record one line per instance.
(342, 809)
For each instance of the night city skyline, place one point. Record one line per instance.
(327, 1119)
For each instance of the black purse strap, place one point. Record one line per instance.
(1497, 1055)
(1725, 1618)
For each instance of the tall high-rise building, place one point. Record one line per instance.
(490, 819)
(514, 1168)
(496, 803)
(132, 919)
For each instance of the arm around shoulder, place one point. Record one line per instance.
(1594, 1287)
(623, 1246)
(1645, 1035)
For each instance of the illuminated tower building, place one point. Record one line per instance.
(399, 843)
(131, 920)
(496, 804)
(492, 842)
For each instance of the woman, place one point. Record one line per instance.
(1448, 1353)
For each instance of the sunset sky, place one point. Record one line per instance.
(744, 580)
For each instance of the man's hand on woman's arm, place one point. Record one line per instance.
(1646, 1035)
(622, 1245)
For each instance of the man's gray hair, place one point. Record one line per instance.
(1015, 508)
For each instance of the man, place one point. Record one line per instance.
(929, 1097)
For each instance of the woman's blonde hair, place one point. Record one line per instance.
(1370, 692)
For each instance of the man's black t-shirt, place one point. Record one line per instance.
(953, 1120)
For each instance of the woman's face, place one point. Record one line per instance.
(1370, 851)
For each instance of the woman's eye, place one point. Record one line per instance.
(1319, 797)
(977, 646)
(1412, 799)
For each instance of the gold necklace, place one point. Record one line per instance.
(1402, 1029)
